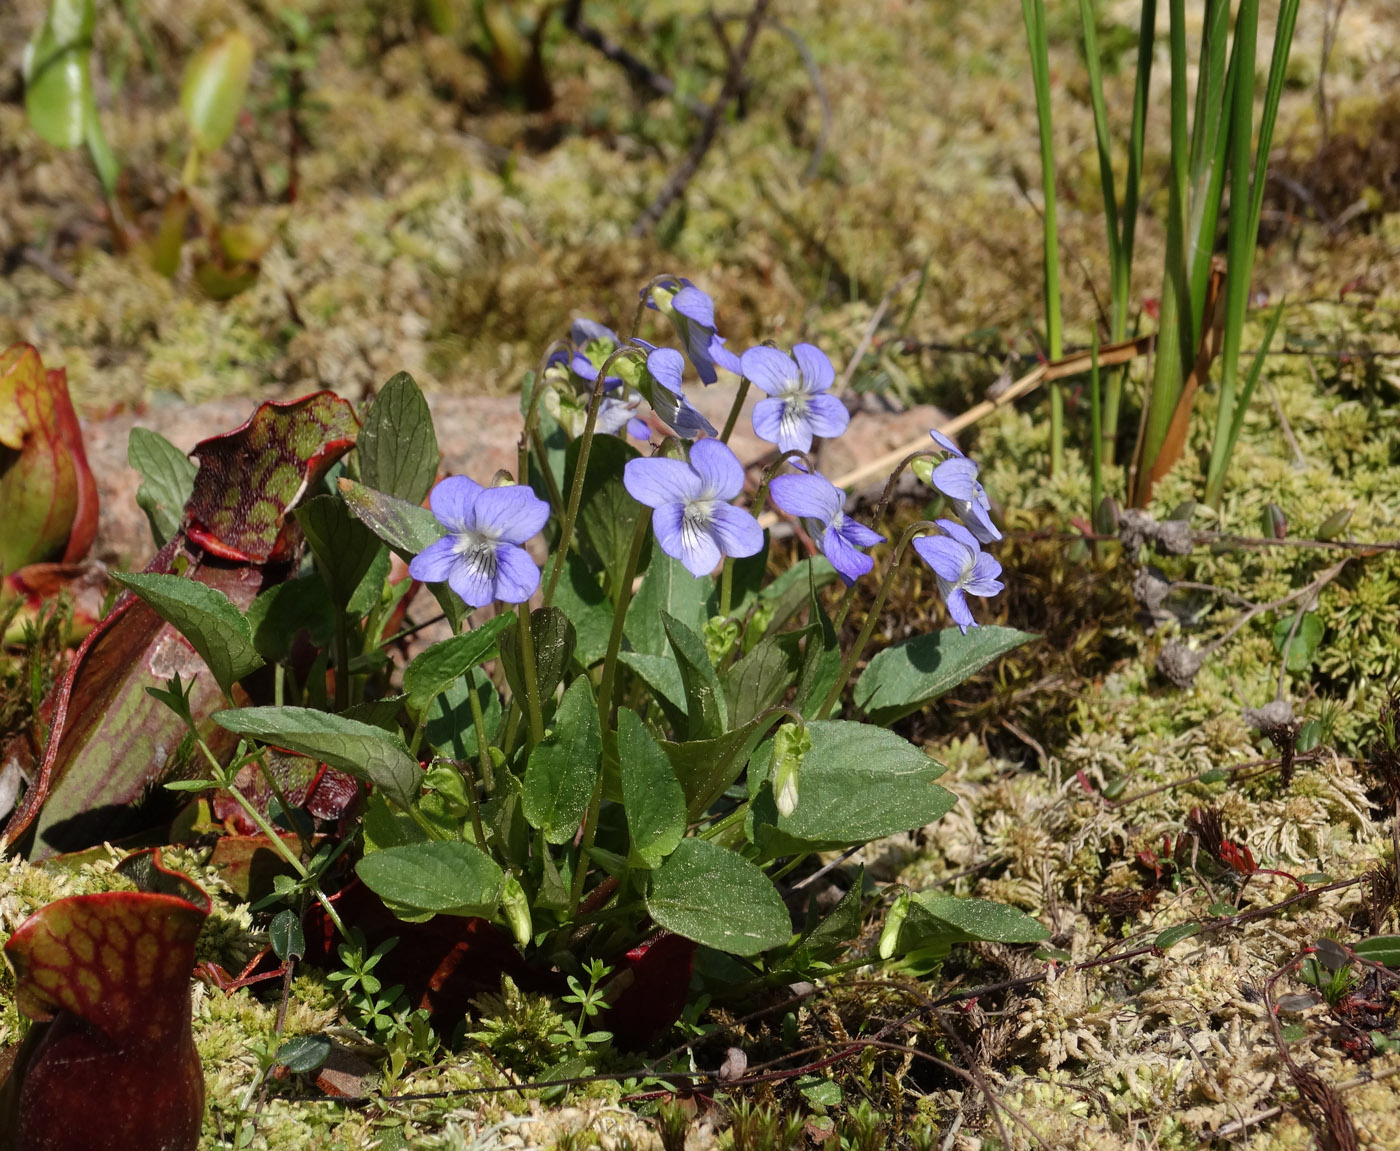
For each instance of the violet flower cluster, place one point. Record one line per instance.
(693, 516)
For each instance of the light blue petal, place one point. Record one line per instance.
(453, 502)
(658, 482)
(434, 562)
(961, 534)
(860, 535)
(956, 478)
(946, 556)
(638, 429)
(850, 563)
(721, 474)
(983, 580)
(511, 514)
(944, 442)
(817, 372)
(667, 367)
(736, 532)
(959, 611)
(724, 357)
(517, 577)
(768, 419)
(695, 306)
(667, 523)
(814, 497)
(584, 331)
(772, 372)
(827, 416)
(473, 577)
(975, 514)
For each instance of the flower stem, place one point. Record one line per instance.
(738, 405)
(849, 664)
(566, 527)
(483, 749)
(606, 689)
(531, 703)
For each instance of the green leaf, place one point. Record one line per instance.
(215, 83)
(398, 448)
(651, 795)
(441, 665)
(356, 748)
(405, 527)
(761, 678)
(278, 615)
(746, 578)
(667, 589)
(345, 548)
(786, 594)
(663, 678)
(706, 714)
(564, 766)
(553, 636)
(1174, 935)
(304, 1053)
(821, 661)
(967, 920)
(580, 597)
(719, 899)
(1380, 949)
(607, 515)
(1305, 640)
(167, 480)
(826, 939)
(285, 935)
(707, 767)
(908, 674)
(58, 74)
(383, 826)
(857, 783)
(206, 617)
(444, 878)
(451, 727)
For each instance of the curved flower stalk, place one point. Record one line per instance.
(481, 558)
(821, 505)
(956, 478)
(961, 566)
(693, 518)
(799, 405)
(693, 314)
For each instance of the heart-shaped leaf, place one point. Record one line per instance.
(440, 877)
(564, 766)
(910, 673)
(204, 616)
(167, 476)
(358, 749)
(398, 448)
(719, 899)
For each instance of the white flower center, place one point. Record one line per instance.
(695, 521)
(478, 549)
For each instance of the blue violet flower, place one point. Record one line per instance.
(961, 566)
(666, 366)
(820, 503)
(480, 557)
(956, 478)
(798, 406)
(693, 314)
(693, 519)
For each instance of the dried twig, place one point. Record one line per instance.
(685, 172)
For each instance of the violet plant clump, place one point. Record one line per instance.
(655, 730)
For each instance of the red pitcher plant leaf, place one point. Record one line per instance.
(48, 497)
(111, 1065)
(109, 742)
(250, 478)
(40, 584)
